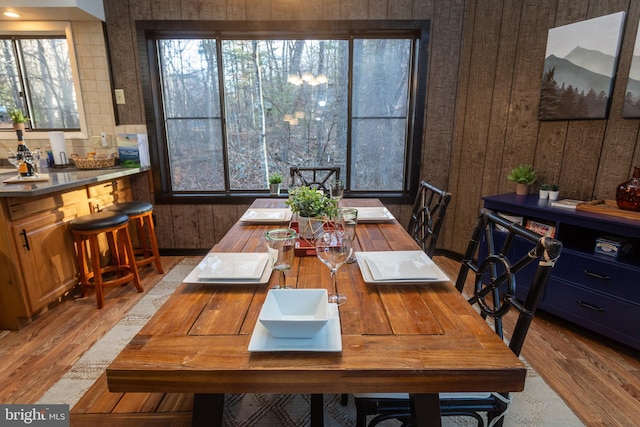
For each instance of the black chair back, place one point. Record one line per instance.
(427, 215)
(495, 268)
(318, 178)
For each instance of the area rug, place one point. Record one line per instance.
(537, 405)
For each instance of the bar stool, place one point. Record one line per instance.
(87, 229)
(141, 213)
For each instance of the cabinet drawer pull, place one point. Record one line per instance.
(23, 233)
(596, 275)
(590, 306)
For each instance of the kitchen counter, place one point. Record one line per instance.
(60, 179)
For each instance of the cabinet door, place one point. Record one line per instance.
(47, 256)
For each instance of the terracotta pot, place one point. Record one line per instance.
(522, 189)
(20, 126)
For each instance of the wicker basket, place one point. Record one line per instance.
(88, 163)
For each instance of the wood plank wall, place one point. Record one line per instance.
(486, 59)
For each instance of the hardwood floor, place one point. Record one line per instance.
(598, 379)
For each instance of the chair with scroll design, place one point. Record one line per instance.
(498, 253)
(429, 208)
(318, 178)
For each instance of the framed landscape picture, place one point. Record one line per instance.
(631, 107)
(579, 69)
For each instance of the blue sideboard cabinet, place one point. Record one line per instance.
(598, 292)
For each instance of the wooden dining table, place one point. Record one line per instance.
(421, 339)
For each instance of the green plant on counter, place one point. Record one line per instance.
(275, 178)
(311, 203)
(545, 187)
(17, 116)
(523, 174)
(554, 187)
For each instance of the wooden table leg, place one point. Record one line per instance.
(425, 410)
(207, 410)
(317, 410)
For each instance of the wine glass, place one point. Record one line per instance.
(333, 249)
(281, 248)
(347, 220)
(336, 190)
(15, 160)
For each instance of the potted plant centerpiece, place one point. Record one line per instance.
(18, 119)
(523, 176)
(274, 183)
(554, 192)
(313, 209)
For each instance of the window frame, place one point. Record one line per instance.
(48, 29)
(149, 31)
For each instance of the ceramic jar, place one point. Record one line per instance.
(628, 193)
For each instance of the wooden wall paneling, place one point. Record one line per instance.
(444, 60)
(580, 158)
(307, 11)
(236, 10)
(224, 216)
(190, 9)
(482, 75)
(616, 160)
(186, 234)
(507, 46)
(458, 209)
(164, 226)
(206, 226)
(378, 9)
(522, 129)
(400, 9)
(270, 9)
(122, 58)
(165, 9)
(549, 151)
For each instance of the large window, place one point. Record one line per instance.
(36, 78)
(232, 108)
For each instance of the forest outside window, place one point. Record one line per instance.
(37, 78)
(230, 111)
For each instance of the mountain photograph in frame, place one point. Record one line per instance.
(631, 106)
(579, 69)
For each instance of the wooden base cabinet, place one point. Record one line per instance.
(37, 256)
(598, 292)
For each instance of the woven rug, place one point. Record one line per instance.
(537, 405)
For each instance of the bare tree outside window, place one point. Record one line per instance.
(275, 103)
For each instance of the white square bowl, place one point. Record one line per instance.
(294, 313)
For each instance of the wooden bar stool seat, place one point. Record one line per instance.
(122, 269)
(141, 214)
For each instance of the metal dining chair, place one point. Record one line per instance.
(501, 255)
(315, 177)
(429, 208)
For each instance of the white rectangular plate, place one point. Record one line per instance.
(374, 214)
(257, 275)
(267, 216)
(398, 267)
(329, 338)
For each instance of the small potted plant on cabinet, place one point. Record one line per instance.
(554, 192)
(18, 119)
(523, 176)
(544, 191)
(274, 184)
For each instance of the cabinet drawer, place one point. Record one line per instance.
(23, 207)
(600, 275)
(608, 316)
